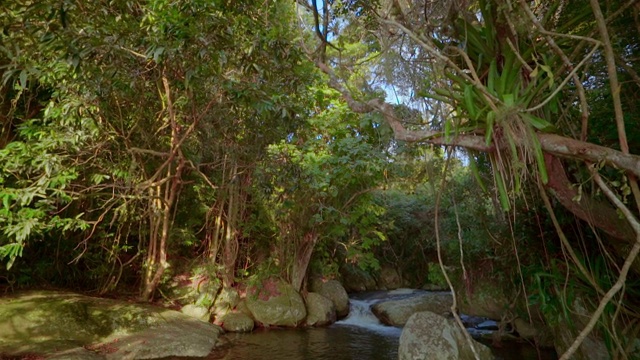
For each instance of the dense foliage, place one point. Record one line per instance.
(284, 138)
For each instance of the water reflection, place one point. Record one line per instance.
(360, 336)
(338, 342)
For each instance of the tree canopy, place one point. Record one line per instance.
(282, 138)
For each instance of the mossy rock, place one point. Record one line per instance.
(276, 303)
(321, 311)
(237, 322)
(49, 322)
(334, 291)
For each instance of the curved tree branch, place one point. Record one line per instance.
(598, 213)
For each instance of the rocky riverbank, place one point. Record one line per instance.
(62, 325)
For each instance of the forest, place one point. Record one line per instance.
(459, 142)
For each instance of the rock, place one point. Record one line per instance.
(487, 300)
(226, 301)
(533, 332)
(471, 321)
(397, 312)
(356, 279)
(195, 283)
(402, 291)
(60, 324)
(488, 325)
(334, 291)
(276, 303)
(435, 287)
(320, 310)
(389, 278)
(237, 322)
(430, 336)
(593, 346)
(242, 307)
(78, 353)
(196, 311)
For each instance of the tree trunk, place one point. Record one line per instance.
(230, 247)
(303, 254)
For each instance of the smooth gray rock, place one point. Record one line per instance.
(356, 279)
(397, 312)
(429, 336)
(320, 310)
(237, 322)
(389, 278)
(196, 311)
(59, 324)
(334, 291)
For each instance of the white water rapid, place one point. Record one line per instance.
(360, 315)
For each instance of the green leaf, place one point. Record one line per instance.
(11, 251)
(476, 173)
(503, 195)
(491, 117)
(537, 122)
(509, 99)
(23, 79)
(492, 77)
(537, 149)
(547, 69)
(469, 102)
(6, 201)
(447, 129)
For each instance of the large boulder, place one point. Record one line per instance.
(194, 283)
(486, 299)
(237, 322)
(356, 279)
(225, 302)
(59, 325)
(276, 303)
(397, 312)
(389, 278)
(334, 291)
(320, 310)
(431, 336)
(196, 311)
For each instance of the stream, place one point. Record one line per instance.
(360, 336)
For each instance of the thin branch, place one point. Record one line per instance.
(584, 107)
(633, 254)
(550, 143)
(615, 90)
(571, 75)
(454, 305)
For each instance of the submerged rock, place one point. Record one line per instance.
(63, 325)
(320, 310)
(431, 336)
(276, 303)
(334, 291)
(397, 312)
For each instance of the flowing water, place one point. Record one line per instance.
(360, 336)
